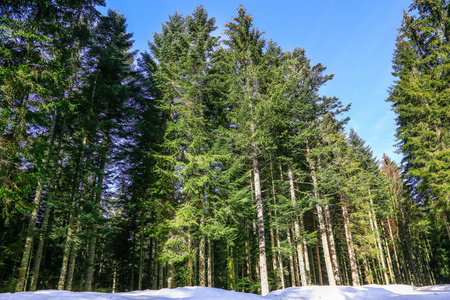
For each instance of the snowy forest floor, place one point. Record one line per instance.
(203, 293)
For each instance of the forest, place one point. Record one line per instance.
(211, 160)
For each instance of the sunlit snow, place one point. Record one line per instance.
(202, 293)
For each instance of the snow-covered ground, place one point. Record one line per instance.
(202, 293)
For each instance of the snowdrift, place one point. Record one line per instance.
(393, 292)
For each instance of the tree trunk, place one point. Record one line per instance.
(378, 241)
(398, 277)
(201, 260)
(351, 253)
(334, 259)
(298, 239)
(319, 265)
(326, 251)
(114, 277)
(291, 259)
(23, 269)
(306, 256)
(170, 275)
(98, 197)
(210, 264)
(73, 256)
(141, 260)
(260, 219)
(231, 268)
(447, 226)
(320, 218)
(272, 247)
(280, 261)
(40, 250)
(66, 252)
(277, 232)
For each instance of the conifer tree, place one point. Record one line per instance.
(420, 99)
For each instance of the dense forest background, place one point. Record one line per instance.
(209, 161)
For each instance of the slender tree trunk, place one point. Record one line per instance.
(257, 269)
(291, 259)
(23, 269)
(320, 218)
(201, 260)
(189, 262)
(334, 259)
(73, 256)
(93, 239)
(398, 276)
(40, 250)
(260, 219)
(210, 264)
(231, 268)
(326, 252)
(306, 256)
(351, 253)
(114, 277)
(170, 275)
(66, 252)
(280, 261)
(47, 211)
(298, 240)
(319, 265)
(279, 257)
(388, 259)
(378, 240)
(141, 260)
(272, 246)
(447, 226)
(248, 255)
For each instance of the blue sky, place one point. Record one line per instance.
(354, 39)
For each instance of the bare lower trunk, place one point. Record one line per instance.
(319, 265)
(378, 241)
(277, 232)
(73, 256)
(201, 261)
(190, 262)
(23, 269)
(291, 259)
(231, 268)
(66, 253)
(280, 261)
(320, 218)
(298, 239)
(170, 276)
(29, 241)
(114, 278)
(334, 259)
(351, 253)
(447, 226)
(210, 264)
(326, 251)
(141, 260)
(398, 276)
(91, 262)
(71, 225)
(305, 254)
(37, 261)
(261, 236)
(274, 261)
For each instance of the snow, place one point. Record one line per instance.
(393, 292)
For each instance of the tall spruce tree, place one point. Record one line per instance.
(420, 99)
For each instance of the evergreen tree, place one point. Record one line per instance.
(420, 99)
